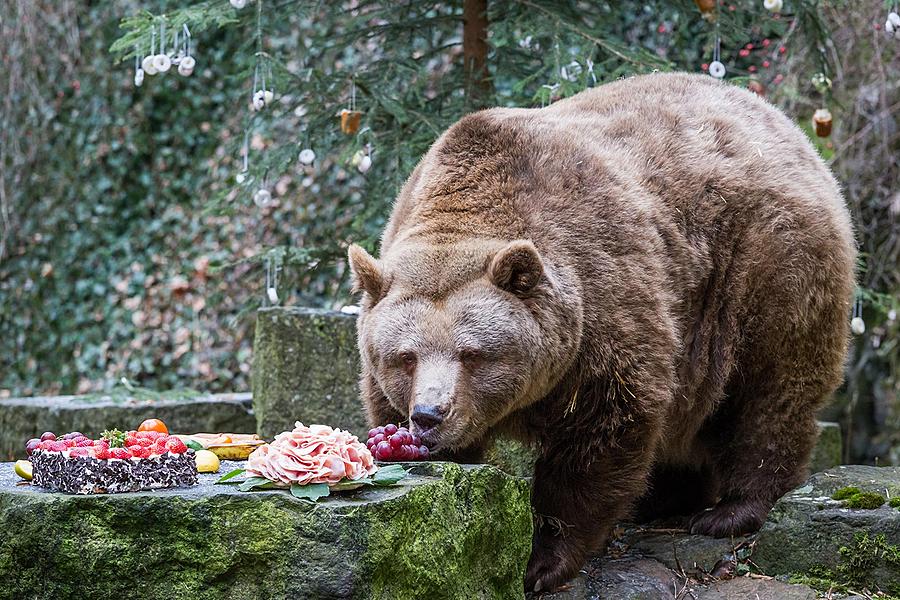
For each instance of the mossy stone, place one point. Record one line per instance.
(447, 531)
(808, 533)
(306, 368)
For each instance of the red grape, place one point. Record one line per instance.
(393, 443)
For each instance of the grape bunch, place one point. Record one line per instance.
(392, 443)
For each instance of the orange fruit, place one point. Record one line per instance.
(154, 425)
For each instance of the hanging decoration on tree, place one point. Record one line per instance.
(350, 117)
(707, 8)
(138, 72)
(273, 267)
(892, 25)
(717, 67)
(263, 96)
(362, 159)
(822, 120)
(162, 61)
(774, 6)
(307, 156)
(857, 325)
(238, 4)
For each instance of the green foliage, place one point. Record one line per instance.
(864, 500)
(845, 493)
(115, 438)
(894, 502)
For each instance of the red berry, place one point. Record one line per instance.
(390, 429)
(48, 436)
(101, 452)
(766, 43)
(79, 452)
(423, 453)
(176, 446)
(744, 52)
(57, 446)
(32, 445)
(70, 443)
(374, 431)
(121, 453)
(396, 441)
(416, 440)
(104, 443)
(84, 443)
(379, 437)
(383, 451)
(749, 46)
(145, 442)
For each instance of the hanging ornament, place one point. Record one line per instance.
(822, 122)
(262, 198)
(774, 6)
(857, 325)
(892, 315)
(717, 69)
(162, 63)
(350, 117)
(362, 159)
(263, 96)
(138, 71)
(186, 66)
(259, 100)
(272, 269)
(892, 25)
(238, 4)
(707, 8)
(307, 156)
(147, 65)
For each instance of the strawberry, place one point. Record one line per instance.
(145, 442)
(57, 446)
(175, 445)
(79, 452)
(84, 443)
(122, 453)
(70, 443)
(130, 440)
(139, 451)
(102, 452)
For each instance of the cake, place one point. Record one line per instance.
(119, 462)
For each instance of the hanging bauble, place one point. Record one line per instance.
(774, 6)
(892, 25)
(889, 27)
(148, 66)
(892, 315)
(361, 160)
(307, 156)
(757, 87)
(857, 325)
(707, 8)
(822, 122)
(138, 77)
(350, 120)
(262, 198)
(268, 97)
(241, 177)
(238, 4)
(259, 100)
(272, 294)
(186, 65)
(162, 63)
(717, 69)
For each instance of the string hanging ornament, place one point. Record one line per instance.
(857, 325)
(162, 61)
(273, 268)
(350, 116)
(892, 24)
(717, 67)
(822, 120)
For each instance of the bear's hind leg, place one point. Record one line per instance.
(676, 491)
(770, 441)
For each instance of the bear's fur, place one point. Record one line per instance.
(650, 280)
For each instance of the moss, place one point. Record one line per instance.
(845, 492)
(865, 556)
(895, 502)
(864, 500)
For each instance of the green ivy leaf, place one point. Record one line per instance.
(311, 492)
(389, 475)
(253, 482)
(195, 445)
(230, 475)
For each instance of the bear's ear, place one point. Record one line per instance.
(367, 273)
(517, 268)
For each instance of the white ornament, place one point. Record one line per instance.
(241, 177)
(774, 5)
(717, 69)
(186, 65)
(138, 77)
(888, 26)
(892, 315)
(259, 100)
(857, 325)
(272, 293)
(307, 156)
(351, 309)
(238, 4)
(268, 97)
(162, 62)
(894, 19)
(148, 66)
(262, 198)
(365, 164)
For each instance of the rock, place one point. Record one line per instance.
(809, 533)
(744, 588)
(25, 418)
(828, 451)
(306, 368)
(678, 550)
(632, 578)
(447, 531)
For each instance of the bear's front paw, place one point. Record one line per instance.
(728, 518)
(555, 559)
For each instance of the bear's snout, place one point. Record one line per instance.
(426, 417)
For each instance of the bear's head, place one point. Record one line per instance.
(458, 336)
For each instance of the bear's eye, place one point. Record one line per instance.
(408, 361)
(471, 357)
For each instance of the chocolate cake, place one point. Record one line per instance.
(89, 475)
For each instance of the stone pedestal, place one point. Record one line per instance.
(447, 531)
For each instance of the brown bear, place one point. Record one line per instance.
(650, 281)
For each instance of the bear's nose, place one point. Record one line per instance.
(426, 417)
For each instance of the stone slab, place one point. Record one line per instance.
(447, 531)
(306, 368)
(25, 418)
(806, 530)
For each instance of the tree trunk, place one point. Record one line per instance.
(479, 89)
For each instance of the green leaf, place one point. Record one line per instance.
(253, 482)
(195, 445)
(389, 475)
(311, 492)
(350, 484)
(229, 475)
